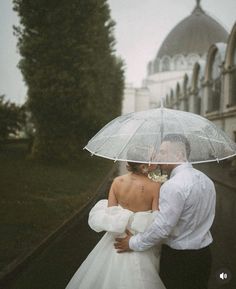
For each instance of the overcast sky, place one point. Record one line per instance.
(141, 27)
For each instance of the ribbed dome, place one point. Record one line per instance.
(194, 34)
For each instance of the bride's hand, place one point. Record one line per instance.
(122, 244)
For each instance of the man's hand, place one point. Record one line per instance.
(122, 244)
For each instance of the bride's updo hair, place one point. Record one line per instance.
(133, 167)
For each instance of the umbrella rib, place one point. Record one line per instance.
(229, 142)
(206, 138)
(161, 127)
(125, 145)
(104, 142)
(212, 147)
(226, 141)
(97, 150)
(179, 122)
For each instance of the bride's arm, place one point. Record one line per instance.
(112, 200)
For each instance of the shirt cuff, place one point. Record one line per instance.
(133, 243)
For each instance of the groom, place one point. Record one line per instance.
(187, 209)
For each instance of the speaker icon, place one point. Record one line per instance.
(223, 276)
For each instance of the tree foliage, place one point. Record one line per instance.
(12, 118)
(74, 79)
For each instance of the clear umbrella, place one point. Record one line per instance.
(137, 137)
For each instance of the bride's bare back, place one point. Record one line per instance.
(134, 192)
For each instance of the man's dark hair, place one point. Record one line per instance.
(178, 138)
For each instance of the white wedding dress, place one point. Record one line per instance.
(104, 268)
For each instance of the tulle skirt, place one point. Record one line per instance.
(104, 268)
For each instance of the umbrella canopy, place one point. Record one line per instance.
(137, 137)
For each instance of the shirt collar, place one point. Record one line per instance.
(179, 168)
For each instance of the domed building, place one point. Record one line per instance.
(193, 35)
(186, 44)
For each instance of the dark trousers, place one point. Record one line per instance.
(185, 269)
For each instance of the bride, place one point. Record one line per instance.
(132, 202)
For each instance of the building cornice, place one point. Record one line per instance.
(216, 115)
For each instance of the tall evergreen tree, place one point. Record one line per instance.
(75, 82)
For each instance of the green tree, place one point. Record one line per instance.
(75, 81)
(12, 118)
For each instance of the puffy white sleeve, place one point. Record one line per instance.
(111, 219)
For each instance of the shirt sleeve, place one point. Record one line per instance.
(171, 206)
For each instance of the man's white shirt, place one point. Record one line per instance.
(187, 210)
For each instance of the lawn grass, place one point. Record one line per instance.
(36, 197)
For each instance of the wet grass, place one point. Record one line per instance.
(36, 197)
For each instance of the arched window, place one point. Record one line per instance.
(165, 63)
(215, 58)
(216, 82)
(230, 70)
(192, 59)
(156, 65)
(180, 62)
